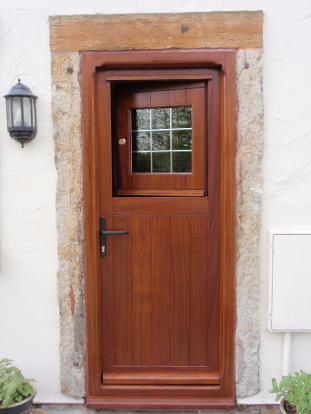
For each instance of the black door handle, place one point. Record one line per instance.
(114, 232)
(103, 233)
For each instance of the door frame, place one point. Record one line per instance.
(222, 396)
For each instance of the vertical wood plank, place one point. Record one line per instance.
(157, 98)
(214, 223)
(180, 290)
(141, 231)
(178, 97)
(103, 169)
(199, 294)
(227, 214)
(91, 212)
(161, 290)
(123, 307)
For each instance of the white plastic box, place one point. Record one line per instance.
(290, 281)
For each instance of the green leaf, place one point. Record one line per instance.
(296, 389)
(14, 387)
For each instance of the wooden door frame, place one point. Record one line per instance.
(176, 396)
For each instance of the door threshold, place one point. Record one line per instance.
(159, 402)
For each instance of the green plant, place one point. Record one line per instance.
(296, 390)
(14, 387)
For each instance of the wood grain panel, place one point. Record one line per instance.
(214, 226)
(171, 30)
(160, 205)
(141, 250)
(161, 290)
(103, 148)
(160, 300)
(199, 295)
(123, 292)
(162, 375)
(180, 278)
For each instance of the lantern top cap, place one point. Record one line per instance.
(19, 89)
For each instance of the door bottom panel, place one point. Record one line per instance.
(158, 400)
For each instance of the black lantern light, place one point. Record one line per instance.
(21, 113)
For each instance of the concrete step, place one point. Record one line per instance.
(78, 409)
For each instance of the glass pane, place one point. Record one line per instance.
(8, 112)
(141, 162)
(33, 105)
(182, 139)
(181, 162)
(160, 118)
(27, 111)
(140, 119)
(161, 162)
(17, 112)
(141, 141)
(161, 140)
(181, 117)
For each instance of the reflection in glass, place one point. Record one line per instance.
(17, 112)
(161, 140)
(141, 162)
(181, 117)
(140, 119)
(181, 161)
(161, 162)
(182, 139)
(141, 141)
(160, 118)
(27, 111)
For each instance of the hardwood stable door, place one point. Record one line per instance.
(160, 281)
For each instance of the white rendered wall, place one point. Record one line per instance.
(28, 298)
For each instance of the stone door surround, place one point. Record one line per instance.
(70, 35)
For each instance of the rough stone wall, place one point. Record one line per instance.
(66, 107)
(250, 128)
(67, 134)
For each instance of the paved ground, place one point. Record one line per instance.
(61, 409)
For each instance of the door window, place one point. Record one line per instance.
(162, 140)
(160, 145)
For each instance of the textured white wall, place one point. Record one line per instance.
(28, 297)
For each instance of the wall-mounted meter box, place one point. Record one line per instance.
(290, 282)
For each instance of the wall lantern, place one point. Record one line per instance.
(21, 113)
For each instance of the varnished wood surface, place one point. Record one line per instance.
(165, 376)
(90, 223)
(199, 399)
(95, 127)
(166, 205)
(160, 193)
(175, 76)
(240, 29)
(162, 277)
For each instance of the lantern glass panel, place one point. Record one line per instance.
(17, 112)
(33, 112)
(27, 112)
(8, 113)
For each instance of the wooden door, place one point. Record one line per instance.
(159, 296)
(161, 320)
